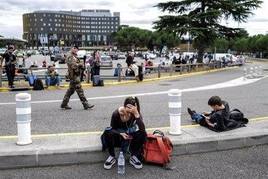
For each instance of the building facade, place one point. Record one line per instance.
(65, 28)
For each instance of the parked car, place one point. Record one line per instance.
(19, 53)
(2, 51)
(57, 57)
(106, 61)
(81, 54)
(121, 56)
(45, 52)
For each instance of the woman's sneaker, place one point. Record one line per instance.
(109, 162)
(135, 162)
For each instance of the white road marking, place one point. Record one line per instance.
(233, 83)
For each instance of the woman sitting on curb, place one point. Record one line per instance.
(127, 131)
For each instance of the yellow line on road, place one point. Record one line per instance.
(36, 136)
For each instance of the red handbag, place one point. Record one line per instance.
(157, 148)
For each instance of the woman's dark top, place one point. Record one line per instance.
(118, 126)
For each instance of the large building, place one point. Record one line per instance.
(65, 28)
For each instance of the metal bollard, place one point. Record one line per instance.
(88, 74)
(119, 73)
(175, 111)
(159, 70)
(23, 111)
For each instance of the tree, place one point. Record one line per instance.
(130, 37)
(202, 19)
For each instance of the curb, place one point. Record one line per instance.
(87, 149)
(115, 83)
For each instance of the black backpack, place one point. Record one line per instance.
(237, 115)
(38, 84)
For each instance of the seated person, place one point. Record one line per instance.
(44, 65)
(34, 65)
(219, 119)
(116, 70)
(52, 77)
(127, 130)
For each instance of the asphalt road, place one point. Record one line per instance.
(247, 163)
(252, 99)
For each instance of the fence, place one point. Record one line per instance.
(149, 72)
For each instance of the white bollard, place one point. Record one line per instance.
(175, 111)
(23, 111)
(251, 72)
(256, 72)
(260, 72)
(245, 73)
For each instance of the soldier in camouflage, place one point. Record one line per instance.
(74, 73)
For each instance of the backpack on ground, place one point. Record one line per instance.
(38, 84)
(157, 149)
(238, 116)
(97, 81)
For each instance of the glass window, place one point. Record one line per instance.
(44, 24)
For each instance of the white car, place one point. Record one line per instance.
(106, 61)
(81, 54)
(150, 55)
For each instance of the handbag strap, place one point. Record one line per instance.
(162, 149)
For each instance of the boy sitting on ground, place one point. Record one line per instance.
(220, 119)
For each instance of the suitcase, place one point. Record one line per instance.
(97, 81)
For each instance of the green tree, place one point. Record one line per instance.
(241, 45)
(129, 37)
(202, 19)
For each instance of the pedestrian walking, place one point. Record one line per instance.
(10, 65)
(75, 67)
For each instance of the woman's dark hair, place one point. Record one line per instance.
(133, 101)
(215, 100)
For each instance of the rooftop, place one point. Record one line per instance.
(83, 12)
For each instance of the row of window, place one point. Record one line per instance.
(76, 27)
(94, 37)
(79, 18)
(75, 30)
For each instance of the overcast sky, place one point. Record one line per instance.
(139, 13)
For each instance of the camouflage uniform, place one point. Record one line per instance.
(74, 74)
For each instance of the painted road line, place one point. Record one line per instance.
(232, 83)
(113, 83)
(38, 136)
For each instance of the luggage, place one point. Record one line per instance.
(97, 81)
(38, 85)
(157, 148)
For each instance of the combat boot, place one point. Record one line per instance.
(88, 106)
(65, 107)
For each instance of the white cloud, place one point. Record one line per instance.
(133, 12)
